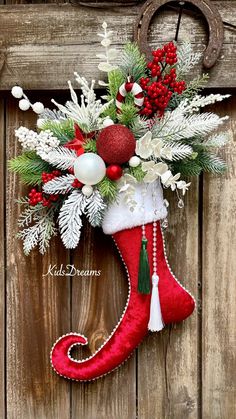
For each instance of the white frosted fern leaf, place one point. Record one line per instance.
(59, 185)
(95, 209)
(70, 222)
(187, 58)
(180, 151)
(62, 157)
(217, 140)
(40, 232)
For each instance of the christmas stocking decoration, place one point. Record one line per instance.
(155, 296)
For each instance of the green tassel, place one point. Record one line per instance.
(144, 270)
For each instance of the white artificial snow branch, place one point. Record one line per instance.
(59, 185)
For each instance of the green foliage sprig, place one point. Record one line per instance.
(30, 167)
(108, 189)
(63, 130)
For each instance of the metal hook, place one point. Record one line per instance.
(209, 11)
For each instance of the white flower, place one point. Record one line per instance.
(183, 186)
(126, 185)
(147, 146)
(144, 146)
(169, 180)
(154, 170)
(157, 146)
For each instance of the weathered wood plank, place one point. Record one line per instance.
(38, 311)
(2, 261)
(219, 293)
(97, 305)
(35, 37)
(168, 361)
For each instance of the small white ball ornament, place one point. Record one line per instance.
(107, 122)
(89, 168)
(38, 107)
(24, 104)
(87, 190)
(134, 161)
(17, 92)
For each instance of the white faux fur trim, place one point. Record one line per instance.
(118, 216)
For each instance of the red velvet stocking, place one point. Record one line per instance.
(176, 305)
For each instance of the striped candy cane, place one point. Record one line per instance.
(130, 87)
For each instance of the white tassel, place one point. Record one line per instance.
(155, 321)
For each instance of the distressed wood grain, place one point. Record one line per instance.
(97, 305)
(35, 37)
(2, 259)
(38, 310)
(219, 293)
(168, 361)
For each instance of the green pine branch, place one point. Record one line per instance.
(30, 167)
(137, 173)
(133, 62)
(108, 189)
(128, 113)
(63, 130)
(115, 80)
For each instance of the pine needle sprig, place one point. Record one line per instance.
(179, 150)
(137, 173)
(30, 167)
(133, 62)
(63, 130)
(69, 219)
(115, 80)
(186, 168)
(108, 189)
(187, 58)
(128, 114)
(62, 157)
(139, 126)
(41, 231)
(59, 185)
(211, 163)
(95, 209)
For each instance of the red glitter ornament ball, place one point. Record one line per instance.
(116, 144)
(114, 172)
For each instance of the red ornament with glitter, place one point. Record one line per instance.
(116, 144)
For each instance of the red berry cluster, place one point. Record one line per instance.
(77, 184)
(46, 177)
(36, 197)
(160, 90)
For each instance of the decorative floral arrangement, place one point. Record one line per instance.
(109, 162)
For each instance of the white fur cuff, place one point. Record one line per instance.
(119, 217)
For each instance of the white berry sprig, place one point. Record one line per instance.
(24, 103)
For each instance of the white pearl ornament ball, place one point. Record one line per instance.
(87, 190)
(134, 161)
(24, 104)
(38, 107)
(89, 168)
(17, 92)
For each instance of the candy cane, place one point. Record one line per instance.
(130, 87)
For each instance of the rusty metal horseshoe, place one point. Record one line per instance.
(209, 11)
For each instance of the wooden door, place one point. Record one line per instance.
(186, 371)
